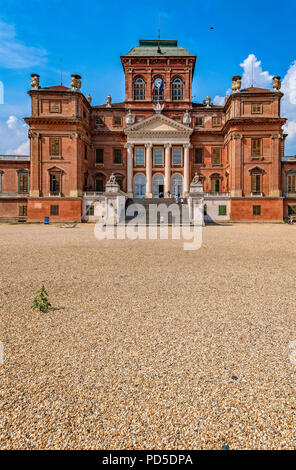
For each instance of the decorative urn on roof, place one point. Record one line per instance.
(207, 102)
(108, 101)
(75, 82)
(186, 118)
(236, 83)
(34, 81)
(276, 83)
(88, 98)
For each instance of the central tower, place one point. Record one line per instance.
(158, 70)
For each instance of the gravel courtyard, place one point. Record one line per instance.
(148, 346)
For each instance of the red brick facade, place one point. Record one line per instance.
(237, 149)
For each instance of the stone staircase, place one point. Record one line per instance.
(170, 216)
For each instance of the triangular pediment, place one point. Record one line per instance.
(158, 124)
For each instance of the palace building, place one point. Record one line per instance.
(154, 142)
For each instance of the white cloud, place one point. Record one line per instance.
(14, 54)
(288, 108)
(14, 137)
(219, 100)
(253, 73)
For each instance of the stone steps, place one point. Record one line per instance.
(168, 217)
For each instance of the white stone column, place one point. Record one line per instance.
(167, 169)
(148, 170)
(186, 169)
(129, 169)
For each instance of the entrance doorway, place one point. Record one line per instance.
(158, 186)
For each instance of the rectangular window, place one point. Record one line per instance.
(23, 183)
(256, 108)
(158, 156)
(54, 146)
(216, 121)
(291, 210)
(198, 122)
(256, 147)
(22, 211)
(90, 210)
(100, 156)
(222, 210)
(198, 156)
(117, 156)
(54, 210)
(177, 156)
(256, 210)
(117, 121)
(139, 118)
(291, 180)
(177, 118)
(55, 183)
(140, 156)
(55, 106)
(99, 121)
(216, 156)
(256, 184)
(85, 152)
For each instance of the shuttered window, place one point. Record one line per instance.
(256, 147)
(216, 156)
(55, 146)
(256, 183)
(291, 183)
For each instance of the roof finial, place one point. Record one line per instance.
(158, 48)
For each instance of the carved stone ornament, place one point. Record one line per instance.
(34, 81)
(186, 118)
(196, 179)
(112, 179)
(108, 101)
(129, 118)
(236, 83)
(207, 102)
(158, 107)
(75, 82)
(88, 98)
(276, 83)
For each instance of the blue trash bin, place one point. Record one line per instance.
(46, 220)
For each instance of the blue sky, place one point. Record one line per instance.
(90, 36)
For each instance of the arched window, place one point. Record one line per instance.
(157, 90)
(177, 89)
(177, 185)
(140, 185)
(139, 89)
(55, 181)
